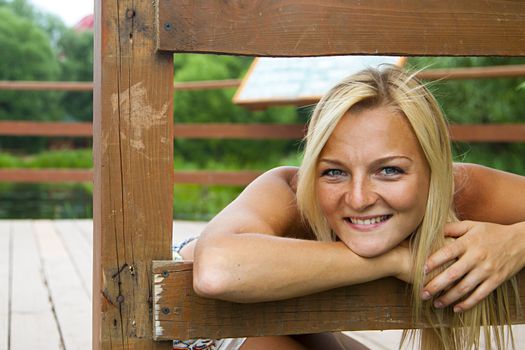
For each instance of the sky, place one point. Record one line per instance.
(71, 11)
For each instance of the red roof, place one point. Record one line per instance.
(85, 24)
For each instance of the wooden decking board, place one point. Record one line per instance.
(5, 282)
(71, 303)
(79, 252)
(86, 227)
(33, 325)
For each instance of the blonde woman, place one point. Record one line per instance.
(377, 173)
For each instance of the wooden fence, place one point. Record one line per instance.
(462, 133)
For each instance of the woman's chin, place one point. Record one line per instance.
(368, 250)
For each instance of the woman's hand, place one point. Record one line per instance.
(487, 255)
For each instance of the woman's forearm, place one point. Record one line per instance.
(253, 267)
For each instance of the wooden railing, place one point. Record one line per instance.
(462, 133)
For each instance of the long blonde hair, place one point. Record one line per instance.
(395, 88)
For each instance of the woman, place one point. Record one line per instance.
(376, 166)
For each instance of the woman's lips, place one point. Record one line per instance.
(367, 223)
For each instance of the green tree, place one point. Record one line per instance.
(75, 52)
(215, 106)
(481, 101)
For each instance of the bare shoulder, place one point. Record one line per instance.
(267, 205)
(488, 194)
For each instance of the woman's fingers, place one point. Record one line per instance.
(448, 253)
(446, 278)
(480, 293)
(462, 288)
(457, 229)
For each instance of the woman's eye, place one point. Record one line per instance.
(332, 172)
(391, 171)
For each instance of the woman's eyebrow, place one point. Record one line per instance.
(330, 161)
(391, 158)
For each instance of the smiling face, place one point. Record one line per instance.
(373, 180)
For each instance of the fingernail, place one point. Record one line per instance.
(425, 269)
(457, 309)
(438, 304)
(426, 295)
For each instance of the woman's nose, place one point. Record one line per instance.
(360, 195)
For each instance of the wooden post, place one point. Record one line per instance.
(133, 171)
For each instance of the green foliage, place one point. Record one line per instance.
(76, 52)
(194, 202)
(482, 101)
(215, 106)
(68, 159)
(8, 161)
(26, 55)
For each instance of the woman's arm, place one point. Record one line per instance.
(487, 254)
(485, 194)
(242, 255)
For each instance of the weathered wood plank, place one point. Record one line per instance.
(133, 165)
(5, 282)
(180, 313)
(70, 300)
(314, 28)
(79, 251)
(33, 324)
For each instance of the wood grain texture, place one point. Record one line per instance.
(133, 165)
(181, 314)
(314, 28)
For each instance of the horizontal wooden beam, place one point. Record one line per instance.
(180, 314)
(488, 72)
(47, 85)
(464, 132)
(51, 129)
(88, 85)
(231, 178)
(240, 131)
(207, 84)
(336, 27)
(488, 132)
(45, 175)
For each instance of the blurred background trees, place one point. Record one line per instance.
(38, 46)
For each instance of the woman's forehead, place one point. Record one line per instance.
(373, 132)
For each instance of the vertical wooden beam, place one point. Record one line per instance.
(133, 166)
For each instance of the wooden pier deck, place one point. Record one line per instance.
(46, 287)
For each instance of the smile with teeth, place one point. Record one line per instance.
(368, 221)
